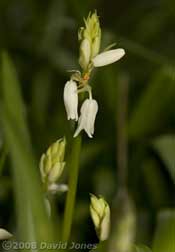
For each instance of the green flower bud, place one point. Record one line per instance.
(90, 40)
(100, 213)
(52, 162)
(96, 45)
(85, 53)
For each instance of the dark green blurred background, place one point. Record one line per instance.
(41, 38)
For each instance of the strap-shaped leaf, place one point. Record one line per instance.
(33, 221)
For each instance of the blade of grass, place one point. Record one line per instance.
(154, 107)
(165, 146)
(3, 158)
(141, 248)
(28, 189)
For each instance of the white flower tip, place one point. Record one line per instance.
(89, 135)
(76, 133)
(55, 188)
(4, 234)
(122, 51)
(74, 118)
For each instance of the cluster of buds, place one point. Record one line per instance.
(52, 165)
(100, 213)
(90, 41)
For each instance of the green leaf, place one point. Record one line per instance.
(165, 146)
(100, 247)
(33, 222)
(154, 107)
(165, 232)
(155, 182)
(3, 156)
(12, 94)
(141, 248)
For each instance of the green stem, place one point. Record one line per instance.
(71, 195)
(3, 158)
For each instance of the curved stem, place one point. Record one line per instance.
(86, 88)
(3, 158)
(71, 195)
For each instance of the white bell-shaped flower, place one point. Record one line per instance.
(71, 100)
(87, 118)
(108, 57)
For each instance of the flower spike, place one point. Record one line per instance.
(89, 37)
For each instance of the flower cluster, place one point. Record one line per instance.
(52, 165)
(90, 41)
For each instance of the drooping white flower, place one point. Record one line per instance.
(100, 213)
(86, 121)
(108, 57)
(71, 100)
(4, 234)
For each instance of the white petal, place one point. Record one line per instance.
(79, 128)
(92, 112)
(108, 57)
(54, 188)
(71, 100)
(4, 234)
(82, 119)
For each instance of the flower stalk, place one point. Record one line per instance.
(71, 194)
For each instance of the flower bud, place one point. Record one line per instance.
(85, 53)
(90, 40)
(100, 213)
(108, 57)
(52, 162)
(86, 121)
(71, 100)
(96, 45)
